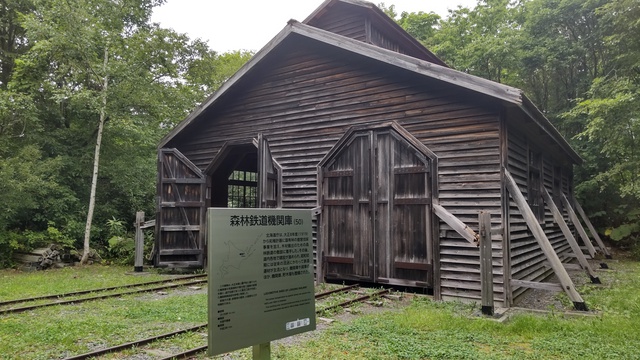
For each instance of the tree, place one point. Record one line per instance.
(99, 61)
(610, 112)
(12, 37)
(420, 25)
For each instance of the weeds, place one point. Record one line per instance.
(423, 330)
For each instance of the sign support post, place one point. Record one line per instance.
(262, 351)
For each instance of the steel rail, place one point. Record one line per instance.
(97, 297)
(163, 336)
(83, 292)
(197, 350)
(353, 301)
(331, 292)
(134, 343)
(194, 351)
(187, 354)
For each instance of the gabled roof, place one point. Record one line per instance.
(391, 28)
(506, 94)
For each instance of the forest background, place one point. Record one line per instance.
(89, 87)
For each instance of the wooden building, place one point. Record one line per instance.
(397, 153)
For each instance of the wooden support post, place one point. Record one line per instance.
(486, 264)
(457, 225)
(557, 216)
(545, 245)
(578, 225)
(592, 230)
(262, 351)
(139, 244)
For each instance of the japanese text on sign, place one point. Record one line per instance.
(263, 220)
(285, 254)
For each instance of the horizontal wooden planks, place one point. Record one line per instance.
(528, 263)
(304, 113)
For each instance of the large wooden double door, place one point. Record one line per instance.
(376, 209)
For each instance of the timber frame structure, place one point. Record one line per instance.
(419, 175)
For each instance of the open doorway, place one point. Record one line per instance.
(244, 175)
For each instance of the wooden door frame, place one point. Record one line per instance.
(343, 142)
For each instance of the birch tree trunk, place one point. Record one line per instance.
(96, 161)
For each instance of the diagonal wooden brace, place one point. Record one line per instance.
(593, 231)
(557, 216)
(457, 225)
(576, 222)
(566, 282)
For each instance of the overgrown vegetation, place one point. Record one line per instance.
(67, 63)
(579, 61)
(67, 67)
(424, 330)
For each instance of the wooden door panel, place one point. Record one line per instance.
(346, 214)
(179, 237)
(377, 210)
(403, 218)
(270, 184)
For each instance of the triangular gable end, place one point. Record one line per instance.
(509, 95)
(364, 21)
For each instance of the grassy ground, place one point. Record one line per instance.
(423, 330)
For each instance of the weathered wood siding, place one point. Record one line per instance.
(366, 25)
(376, 199)
(181, 210)
(305, 99)
(351, 24)
(527, 259)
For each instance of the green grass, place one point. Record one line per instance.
(17, 284)
(436, 330)
(424, 330)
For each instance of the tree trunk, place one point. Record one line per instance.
(96, 161)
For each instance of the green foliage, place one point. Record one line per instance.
(25, 241)
(424, 330)
(212, 70)
(51, 82)
(121, 244)
(579, 61)
(32, 196)
(420, 25)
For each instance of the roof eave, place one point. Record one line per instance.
(228, 84)
(529, 108)
(445, 74)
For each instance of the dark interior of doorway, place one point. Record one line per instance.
(234, 183)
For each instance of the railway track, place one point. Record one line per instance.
(164, 284)
(200, 349)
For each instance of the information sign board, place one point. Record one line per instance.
(260, 276)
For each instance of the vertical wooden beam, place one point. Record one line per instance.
(578, 225)
(505, 213)
(545, 245)
(262, 351)
(584, 264)
(322, 230)
(486, 263)
(435, 230)
(592, 230)
(139, 243)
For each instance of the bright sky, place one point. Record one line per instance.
(250, 24)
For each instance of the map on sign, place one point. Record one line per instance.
(235, 256)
